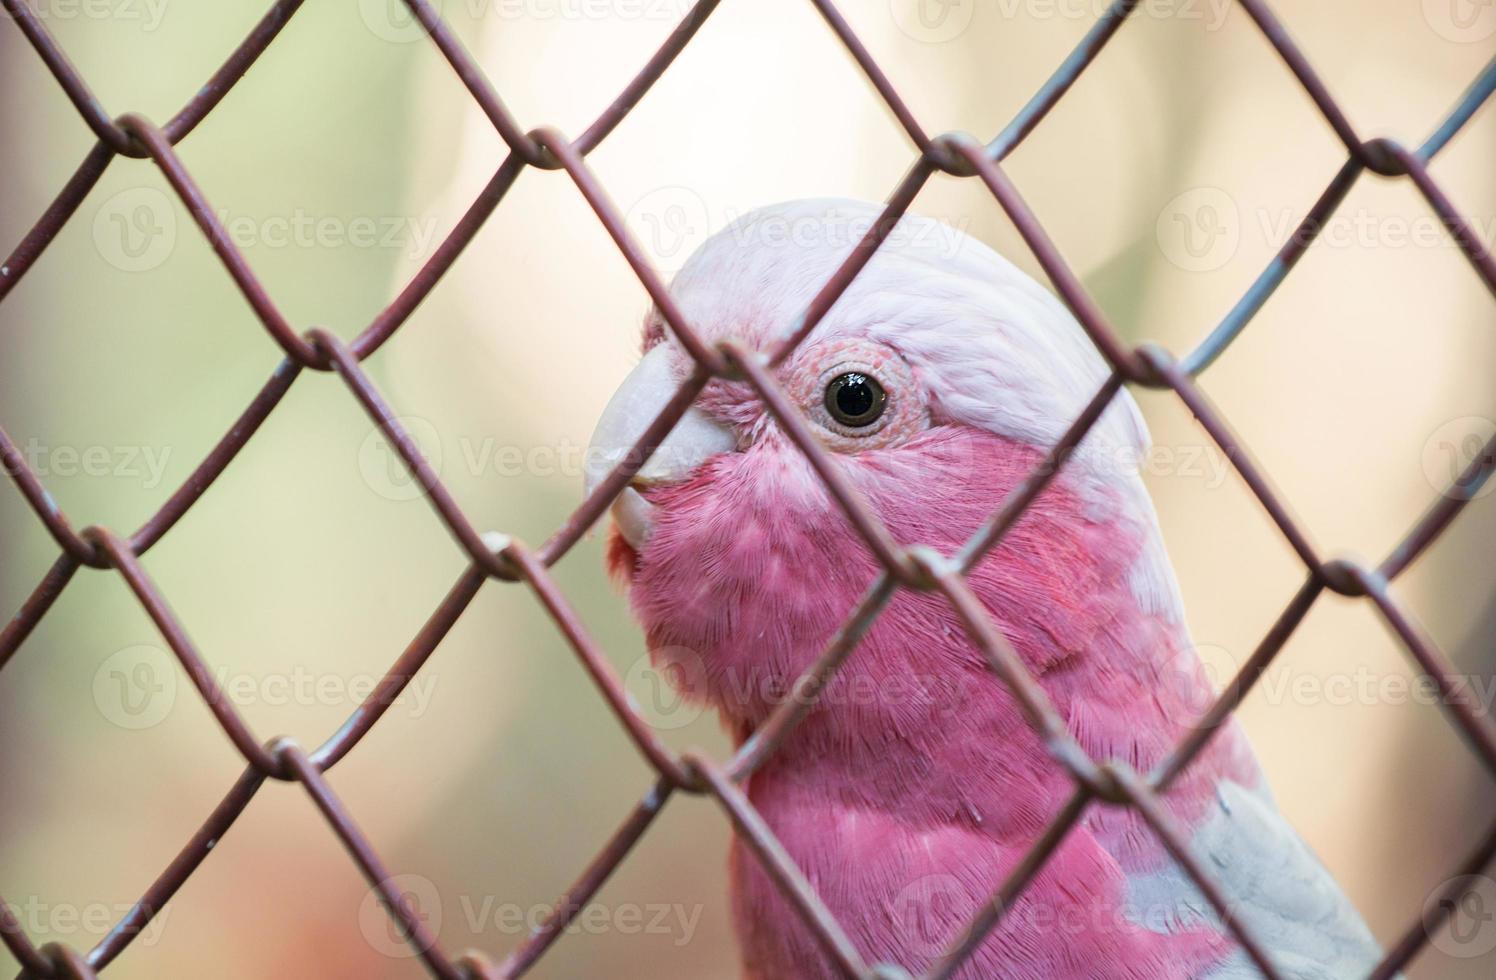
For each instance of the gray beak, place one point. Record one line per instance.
(637, 402)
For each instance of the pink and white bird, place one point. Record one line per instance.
(914, 786)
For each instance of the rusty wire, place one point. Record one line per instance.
(1098, 782)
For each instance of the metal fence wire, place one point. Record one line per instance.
(1098, 782)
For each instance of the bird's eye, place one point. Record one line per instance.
(855, 399)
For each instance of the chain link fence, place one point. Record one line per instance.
(1097, 782)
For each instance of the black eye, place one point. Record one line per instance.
(855, 399)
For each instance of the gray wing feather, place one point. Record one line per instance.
(1277, 888)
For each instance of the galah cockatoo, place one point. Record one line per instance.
(914, 786)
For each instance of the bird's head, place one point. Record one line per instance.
(936, 381)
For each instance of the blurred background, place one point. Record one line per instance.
(1179, 164)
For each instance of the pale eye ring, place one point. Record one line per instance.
(855, 399)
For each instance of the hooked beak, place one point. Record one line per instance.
(638, 402)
